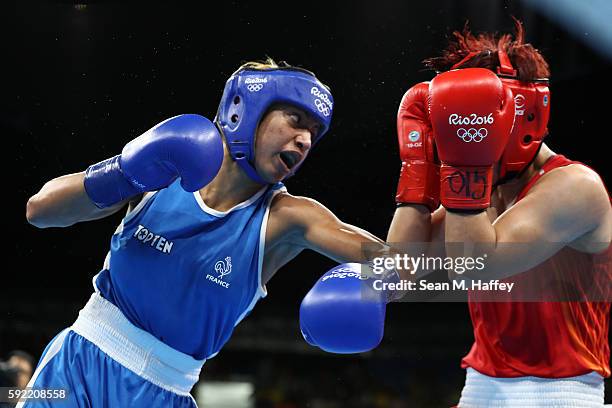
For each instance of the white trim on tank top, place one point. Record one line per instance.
(217, 213)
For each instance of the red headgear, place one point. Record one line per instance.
(532, 107)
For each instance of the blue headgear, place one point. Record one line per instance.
(249, 93)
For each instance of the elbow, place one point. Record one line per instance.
(34, 213)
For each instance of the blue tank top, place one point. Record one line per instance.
(184, 272)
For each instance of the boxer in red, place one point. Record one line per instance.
(471, 140)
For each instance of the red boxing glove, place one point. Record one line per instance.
(472, 113)
(419, 181)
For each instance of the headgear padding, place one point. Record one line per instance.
(532, 110)
(248, 95)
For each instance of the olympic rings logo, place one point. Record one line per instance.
(472, 135)
(254, 87)
(322, 107)
(316, 92)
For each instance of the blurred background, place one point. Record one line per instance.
(83, 79)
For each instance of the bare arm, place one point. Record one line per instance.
(415, 231)
(303, 223)
(62, 202)
(411, 223)
(567, 204)
(323, 232)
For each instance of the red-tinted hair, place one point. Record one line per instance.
(526, 59)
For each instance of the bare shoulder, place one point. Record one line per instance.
(579, 172)
(290, 217)
(284, 200)
(580, 191)
(297, 210)
(575, 185)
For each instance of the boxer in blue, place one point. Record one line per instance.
(209, 222)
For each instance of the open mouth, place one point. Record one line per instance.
(290, 159)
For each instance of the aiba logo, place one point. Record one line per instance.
(414, 137)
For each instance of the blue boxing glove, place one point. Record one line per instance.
(344, 312)
(185, 146)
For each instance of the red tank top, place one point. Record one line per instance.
(546, 339)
